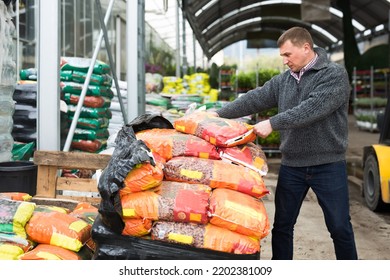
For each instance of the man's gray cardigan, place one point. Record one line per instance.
(312, 114)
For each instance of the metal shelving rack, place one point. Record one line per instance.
(366, 88)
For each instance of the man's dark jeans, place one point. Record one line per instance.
(330, 184)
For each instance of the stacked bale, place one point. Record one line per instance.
(91, 131)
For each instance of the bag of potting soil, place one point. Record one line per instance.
(216, 174)
(51, 208)
(170, 143)
(15, 215)
(86, 112)
(19, 196)
(12, 246)
(52, 252)
(184, 202)
(90, 146)
(90, 134)
(80, 77)
(175, 201)
(143, 176)
(205, 236)
(58, 229)
(92, 90)
(249, 155)
(83, 64)
(91, 123)
(239, 212)
(89, 101)
(137, 227)
(85, 211)
(218, 131)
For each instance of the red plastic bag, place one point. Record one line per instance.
(216, 174)
(249, 155)
(218, 131)
(205, 236)
(170, 143)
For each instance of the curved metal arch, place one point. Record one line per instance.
(205, 16)
(280, 24)
(271, 30)
(223, 15)
(334, 29)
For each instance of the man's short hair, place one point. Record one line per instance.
(297, 35)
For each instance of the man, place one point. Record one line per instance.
(312, 101)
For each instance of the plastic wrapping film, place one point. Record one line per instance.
(113, 246)
(7, 2)
(109, 225)
(128, 153)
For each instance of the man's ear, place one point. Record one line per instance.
(307, 48)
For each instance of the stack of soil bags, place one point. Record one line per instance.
(167, 194)
(91, 132)
(38, 232)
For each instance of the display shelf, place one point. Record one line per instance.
(370, 94)
(225, 79)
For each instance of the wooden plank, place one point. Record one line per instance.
(71, 160)
(46, 181)
(77, 184)
(92, 200)
(65, 203)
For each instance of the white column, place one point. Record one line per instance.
(48, 100)
(118, 45)
(135, 62)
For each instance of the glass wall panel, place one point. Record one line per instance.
(79, 31)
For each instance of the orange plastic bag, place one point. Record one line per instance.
(182, 202)
(85, 211)
(170, 143)
(216, 174)
(51, 208)
(218, 131)
(12, 246)
(58, 229)
(137, 227)
(19, 196)
(249, 155)
(140, 205)
(173, 202)
(205, 236)
(142, 177)
(50, 252)
(239, 212)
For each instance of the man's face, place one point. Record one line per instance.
(295, 57)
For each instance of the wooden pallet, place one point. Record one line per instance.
(50, 185)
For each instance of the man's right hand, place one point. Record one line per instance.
(214, 114)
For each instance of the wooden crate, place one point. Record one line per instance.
(50, 185)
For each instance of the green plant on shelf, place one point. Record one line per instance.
(368, 102)
(271, 141)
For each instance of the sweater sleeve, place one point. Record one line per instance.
(252, 102)
(331, 92)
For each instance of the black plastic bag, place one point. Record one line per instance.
(127, 154)
(149, 121)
